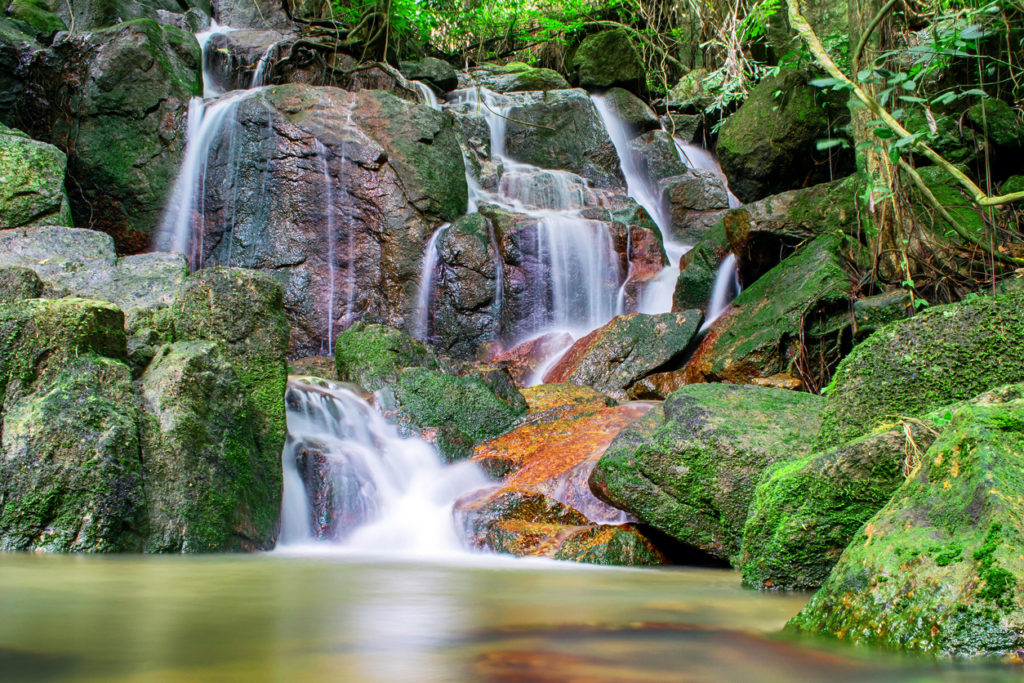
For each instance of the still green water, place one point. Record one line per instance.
(278, 618)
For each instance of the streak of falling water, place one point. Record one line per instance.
(322, 153)
(429, 265)
(352, 482)
(426, 94)
(259, 75)
(726, 288)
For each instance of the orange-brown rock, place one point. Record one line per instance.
(523, 360)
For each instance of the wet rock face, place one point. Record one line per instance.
(689, 467)
(938, 569)
(31, 182)
(232, 58)
(335, 193)
(129, 87)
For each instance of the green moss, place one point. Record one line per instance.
(908, 368)
(31, 182)
(606, 59)
(372, 355)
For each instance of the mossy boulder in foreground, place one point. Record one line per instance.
(908, 368)
(31, 182)
(689, 467)
(939, 569)
(373, 355)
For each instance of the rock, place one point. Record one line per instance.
(313, 366)
(209, 485)
(532, 525)
(130, 88)
(694, 190)
(260, 14)
(561, 129)
(90, 15)
(1000, 120)
(378, 183)
(659, 158)
(794, 319)
(436, 72)
(455, 412)
(70, 472)
(554, 451)
(37, 16)
(806, 511)
(606, 59)
(522, 360)
(907, 368)
(936, 570)
(18, 283)
(683, 127)
(689, 467)
(698, 269)
(465, 310)
(233, 57)
(768, 145)
(372, 356)
(632, 110)
(31, 182)
(872, 312)
(612, 358)
(518, 77)
(243, 311)
(18, 44)
(83, 263)
(690, 94)
(764, 232)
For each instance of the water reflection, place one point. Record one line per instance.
(292, 618)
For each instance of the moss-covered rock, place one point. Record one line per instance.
(18, 283)
(697, 270)
(518, 77)
(797, 310)
(873, 312)
(456, 413)
(90, 15)
(632, 110)
(37, 15)
(768, 145)
(606, 59)
(1001, 122)
(70, 473)
(938, 569)
(206, 481)
(31, 182)
(612, 358)
(689, 467)
(243, 311)
(372, 356)
(432, 70)
(940, 356)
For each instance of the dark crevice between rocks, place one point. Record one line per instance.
(679, 553)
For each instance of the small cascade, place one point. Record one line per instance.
(695, 156)
(726, 288)
(427, 270)
(211, 88)
(657, 296)
(262, 71)
(352, 482)
(427, 95)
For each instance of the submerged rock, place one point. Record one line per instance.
(614, 357)
(908, 368)
(31, 182)
(937, 570)
(689, 467)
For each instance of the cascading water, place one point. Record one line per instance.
(726, 288)
(259, 75)
(429, 266)
(427, 95)
(352, 482)
(322, 153)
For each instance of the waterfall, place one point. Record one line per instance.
(259, 76)
(322, 153)
(352, 482)
(429, 265)
(426, 94)
(726, 288)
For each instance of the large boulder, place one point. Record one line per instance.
(633, 111)
(768, 145)
(795, 319)
(70, 466)
(434, 71)
(210, 482)
(689, 467)
(517, 77)
(614, 357)
(129, 88)
(908, 368)
(31, 182)
(337, 199)
(606, 59)
(261, 14)
(90, 15)
(937, 570)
